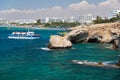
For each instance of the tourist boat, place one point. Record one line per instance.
(24, 35)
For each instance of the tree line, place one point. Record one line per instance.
(106, 20)
(98, 20)
(56, 24)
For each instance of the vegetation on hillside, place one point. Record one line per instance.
(106, 20)
(57, 24)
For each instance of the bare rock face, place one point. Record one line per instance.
(91, 36)
(76, 36)
(100, 36)
(116, 44)
(94, 39)
(106, 37)
(59, 42)
(97, 33)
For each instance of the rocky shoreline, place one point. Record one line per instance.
(98, 64)
(98, 33)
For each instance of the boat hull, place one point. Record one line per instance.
(12, 37)
(23, 35)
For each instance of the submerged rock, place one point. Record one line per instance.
(98, 64)
(59, 42)
(118, 64)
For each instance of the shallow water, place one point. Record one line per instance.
(31, 60)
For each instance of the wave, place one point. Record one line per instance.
(73, 48)
(46, 49)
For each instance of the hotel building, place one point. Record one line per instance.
(85, 18)
(115, 12)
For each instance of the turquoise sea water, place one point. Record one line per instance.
(26, 60)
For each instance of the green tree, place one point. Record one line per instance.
(118, 16)
(98, 20)
(113, 19)
(38, 22)
(47, 25)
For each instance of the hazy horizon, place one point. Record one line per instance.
(36, 9)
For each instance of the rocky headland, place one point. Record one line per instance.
(97, 33)
(116, 44)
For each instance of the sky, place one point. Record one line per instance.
(35, 9)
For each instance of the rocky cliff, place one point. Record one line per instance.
(116, 44)
(99, 33)
(76, 36)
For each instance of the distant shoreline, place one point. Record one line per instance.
(30, 27)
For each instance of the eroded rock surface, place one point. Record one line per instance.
(59, 42)
(77, 36)
(100, 33)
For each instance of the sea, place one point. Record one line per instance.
(32, 60)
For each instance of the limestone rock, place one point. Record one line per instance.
(59, 42)
(97, 33)
(93, 39)
(100, 36)
(107, 36)
(76, 36)
(116, 44)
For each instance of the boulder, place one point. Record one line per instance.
(59, 42)
(76, 36)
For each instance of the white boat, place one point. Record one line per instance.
(23, 35)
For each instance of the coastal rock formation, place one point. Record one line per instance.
(107, 36)
(98, 64)
(100, 36)
(116, 44)
(94, 39)
(98, 33)
(77, 36)
(59, 42)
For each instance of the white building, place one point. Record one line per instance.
(27, 21)
(3, 21)
(85, 18)
(45, 20)
(54, 19)
(71, 19)
(115, 12)
(49, 20)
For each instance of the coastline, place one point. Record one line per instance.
(30, 27)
